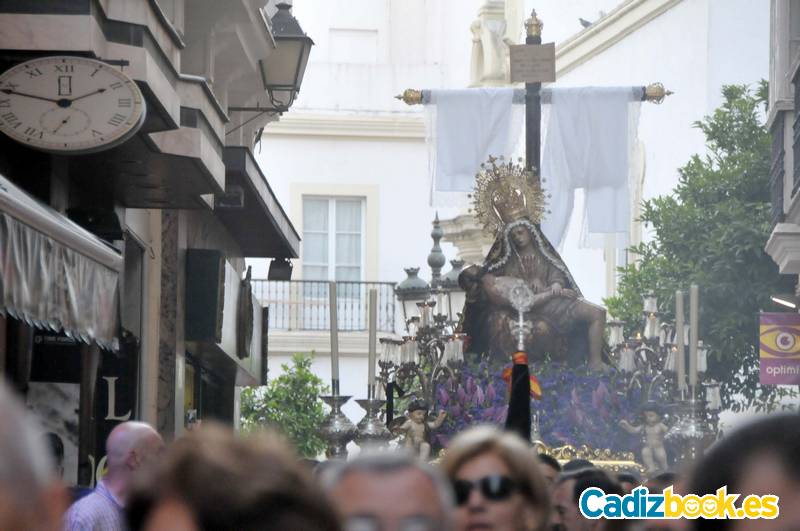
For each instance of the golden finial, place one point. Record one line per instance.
(410, 97)
(534, 25)
(655, 93)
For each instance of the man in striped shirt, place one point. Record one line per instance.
(130, 447)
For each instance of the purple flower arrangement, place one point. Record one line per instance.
(577, 407)
(480, 396)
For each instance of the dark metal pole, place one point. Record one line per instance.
(533, 104)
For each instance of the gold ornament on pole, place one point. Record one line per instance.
(534, 25)
(655, 93)
(410, 97)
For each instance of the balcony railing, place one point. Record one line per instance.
(305, 304)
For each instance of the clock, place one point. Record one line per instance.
(69, 105)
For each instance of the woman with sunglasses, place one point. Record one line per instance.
(497, 482)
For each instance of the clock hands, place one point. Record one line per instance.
(63, 122)
(61, 102)
(98, 91)
(9, 91)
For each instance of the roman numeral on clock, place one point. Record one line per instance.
(64, 85)
(11, 119)
(124, 102)
(5, 103)
(116, 120)
(32, 131)
(34, 72)
(116, 85)
(65, 69)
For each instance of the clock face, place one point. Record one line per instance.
(69, 104)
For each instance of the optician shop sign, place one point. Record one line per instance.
(779, 348)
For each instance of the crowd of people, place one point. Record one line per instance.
(214, 479)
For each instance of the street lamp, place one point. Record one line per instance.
(412, 291)
(456, 297)
(651, 317)
(616, 332)
(282, 71)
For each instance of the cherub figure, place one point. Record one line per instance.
(653, 431)
(417, 428)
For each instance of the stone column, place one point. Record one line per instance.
(171, 348)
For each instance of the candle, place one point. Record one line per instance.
(669, 363)
(680, 361)
(694, 308)
(373, 332)
(702, 357)
(395, 357)
(334, 326)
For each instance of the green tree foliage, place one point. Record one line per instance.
(712, 231)
(290, 403)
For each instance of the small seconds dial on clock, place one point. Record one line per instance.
(69, 104)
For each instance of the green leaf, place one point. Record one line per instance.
(290, 403)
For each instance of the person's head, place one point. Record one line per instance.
(574, 465)
(760, 458)
(661, 481)
(212, 479)
(628, 481)
(569, 487)
(31, 498)
(56, 447)
(550, 468)
(651, 414)
(130, 447)
(418, 410)
(497, 482)
(389, 491)
(520, 236)
(470, 281)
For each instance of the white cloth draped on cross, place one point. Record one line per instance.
(588, 138)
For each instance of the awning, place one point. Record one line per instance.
(53, 273)
(258, 223)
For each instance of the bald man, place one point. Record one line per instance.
(31, 497)
(130, 447)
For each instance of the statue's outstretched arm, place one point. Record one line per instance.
(438, 421)
(630, 429)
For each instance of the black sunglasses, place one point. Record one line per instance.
(493, 488)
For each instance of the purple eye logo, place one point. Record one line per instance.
(785, 341)
(780, 341)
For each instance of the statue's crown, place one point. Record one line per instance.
(506, 192)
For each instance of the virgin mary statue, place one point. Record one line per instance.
(559, 322)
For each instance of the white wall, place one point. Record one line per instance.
(561, 17)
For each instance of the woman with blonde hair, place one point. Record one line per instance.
(497, 482)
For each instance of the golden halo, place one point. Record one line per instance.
(505, 192)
